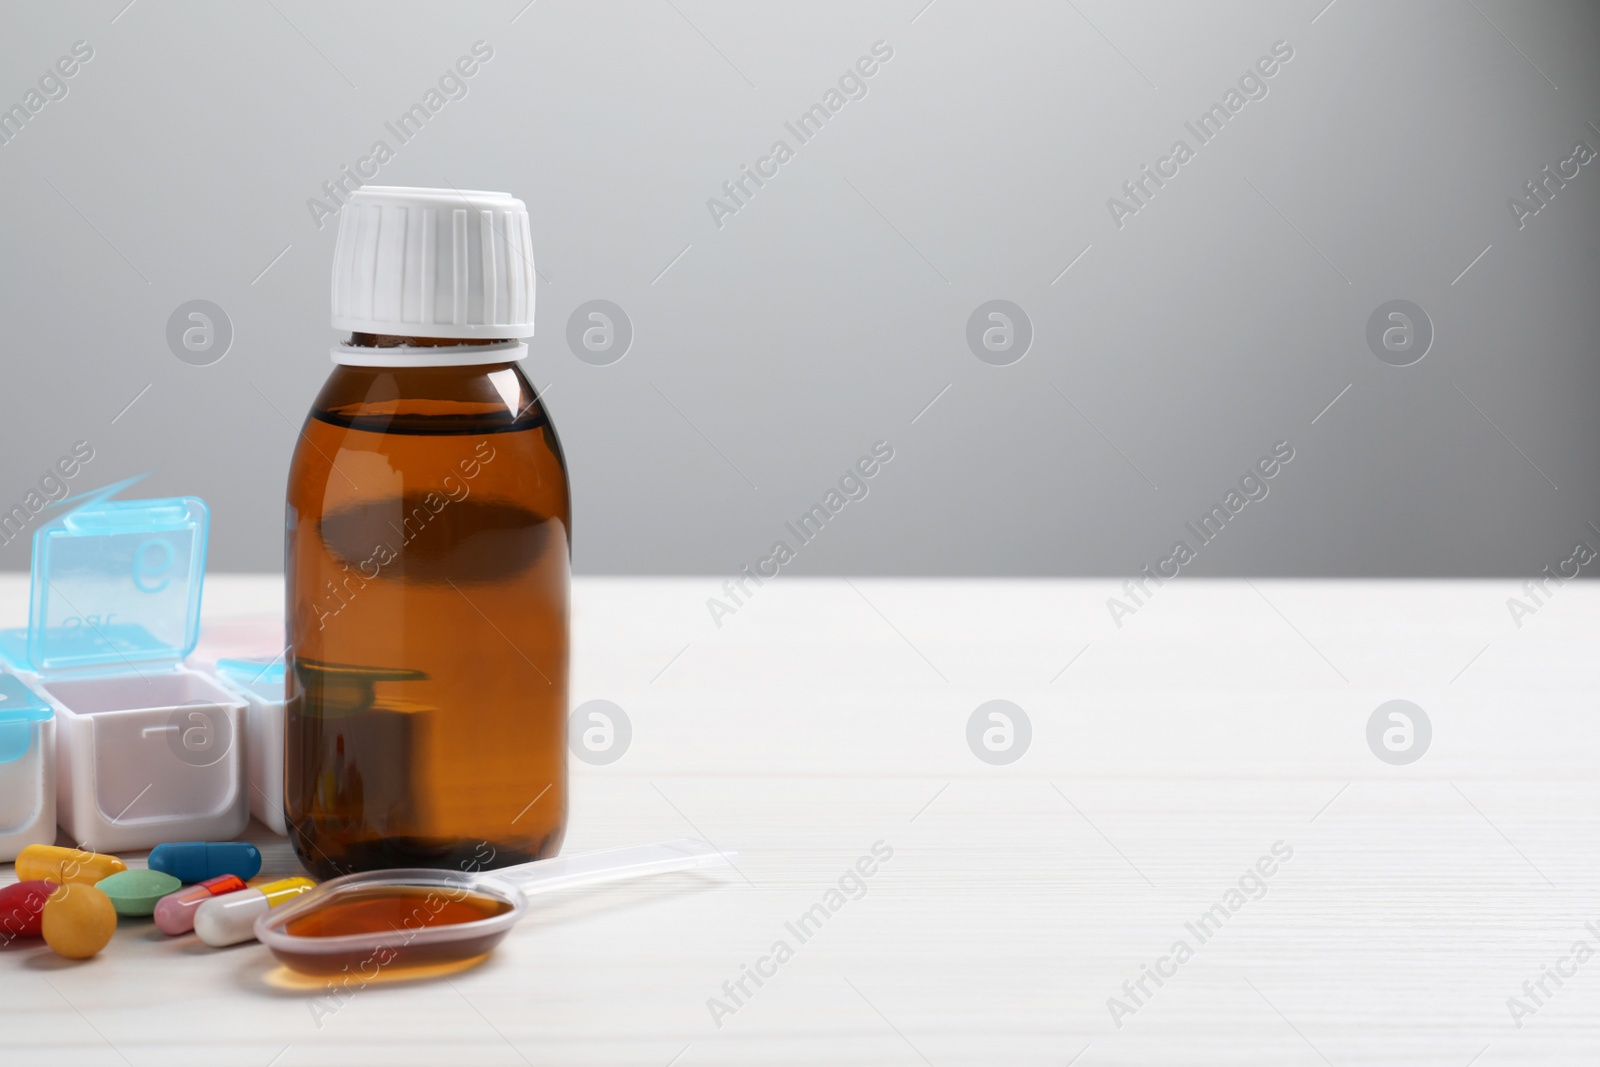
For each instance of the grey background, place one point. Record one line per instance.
(829, 311)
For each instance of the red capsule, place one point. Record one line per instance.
(22, 909)
(175, 912)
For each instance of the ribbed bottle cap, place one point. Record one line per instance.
(433, 263)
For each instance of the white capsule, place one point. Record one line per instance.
(231, 918)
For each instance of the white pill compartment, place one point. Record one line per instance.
(27, 769)
(261, 685)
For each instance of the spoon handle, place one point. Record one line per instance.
(614, 865)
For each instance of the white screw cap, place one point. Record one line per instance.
(433, 263)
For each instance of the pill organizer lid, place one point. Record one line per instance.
(20, 708)
(116, 586)
(252, 670)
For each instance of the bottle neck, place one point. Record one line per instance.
(400, 351)
(393, 340)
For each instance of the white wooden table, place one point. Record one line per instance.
(1172, 753)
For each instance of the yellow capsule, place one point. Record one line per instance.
(52, 863)
(284, 890)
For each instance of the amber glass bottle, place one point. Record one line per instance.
(427, 555)
(427, 564)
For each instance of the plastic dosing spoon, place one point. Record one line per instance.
(416, 916)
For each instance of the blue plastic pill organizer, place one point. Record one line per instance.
(146, 750)
(27, 769)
